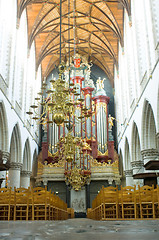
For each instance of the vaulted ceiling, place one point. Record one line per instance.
(92, 27)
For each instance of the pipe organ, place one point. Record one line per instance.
(82, 147)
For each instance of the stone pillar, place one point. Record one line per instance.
(129, 178)
(149, 155)
(137, 167)
(68, 195)
(88, 195)
(25, 179)
(14, 175)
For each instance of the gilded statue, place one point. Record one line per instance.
(100, 83)
(110, 122)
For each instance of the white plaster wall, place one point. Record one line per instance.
(10, 92)
(145, 87)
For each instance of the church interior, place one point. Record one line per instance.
(79, 109)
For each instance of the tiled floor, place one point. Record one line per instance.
(80, 229)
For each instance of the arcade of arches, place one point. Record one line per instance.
(117, 43)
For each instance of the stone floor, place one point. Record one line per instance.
(80, 229)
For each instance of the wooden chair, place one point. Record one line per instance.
(22, 204)
(147, 207)
(6, 204)
(40, 203)
(54, 210)
(110, 203)
(127, 203)
(156, 201)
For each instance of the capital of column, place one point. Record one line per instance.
(25, 173)
(15, 166)
(45, 181)
(149, 154)
(128, 173)
(4, 156)
(137, 164)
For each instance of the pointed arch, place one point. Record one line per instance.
(136, 146)
(15, 145)
(121, 167)
(148, 127)
(127, 155)
(26, 157)
(34, 164)
(3, 128)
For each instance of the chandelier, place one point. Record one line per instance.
(76, 153)
(59, 106)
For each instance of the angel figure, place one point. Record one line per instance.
(100, 83)
(110, 122)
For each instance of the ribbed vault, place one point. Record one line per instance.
(98, 29)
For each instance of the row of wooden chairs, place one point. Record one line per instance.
(126, 203)
(31, 204)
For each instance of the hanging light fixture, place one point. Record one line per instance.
(59, 106)
(59, 102)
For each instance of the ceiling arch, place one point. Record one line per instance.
(98, 30)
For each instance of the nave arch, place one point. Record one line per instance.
(121, 168)
(34, 168)
(26, 167)
(15, 145)
(26, 157)
(127, 159)
(148, 127)
(15, 158)
(135, 144)
(3, 128)
(127, 155)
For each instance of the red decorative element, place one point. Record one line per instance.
(111, 150)
(101, 98)
(44, 151)
(88, 90)
(77, 62)
(102, 158)
(94, 149)
(78, 79)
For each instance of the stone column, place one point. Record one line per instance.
(129, 178)
(137, 167)
(149, 155)
(68, 195)
(25, 179)
(14, 175)
(88, 195)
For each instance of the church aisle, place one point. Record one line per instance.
(79, 229)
